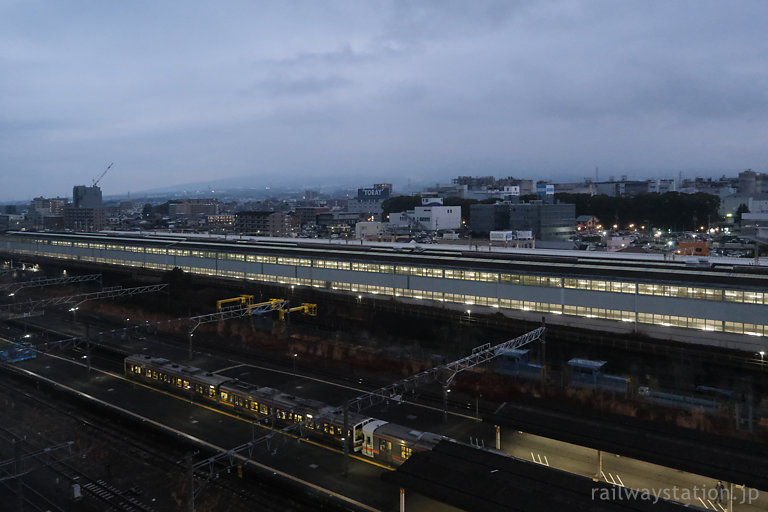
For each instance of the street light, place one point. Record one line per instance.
(294, 363)
(762, 355)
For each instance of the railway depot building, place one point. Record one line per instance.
(722, 304)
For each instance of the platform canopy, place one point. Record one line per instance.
(486, 481)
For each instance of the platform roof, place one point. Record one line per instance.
(718, 457)
(482, 480)
(587, 364)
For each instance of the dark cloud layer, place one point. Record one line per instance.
(389, 90)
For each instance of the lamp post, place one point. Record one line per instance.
(295, 355)
(762, 356)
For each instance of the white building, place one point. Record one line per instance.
(368, 230)
(430, 216)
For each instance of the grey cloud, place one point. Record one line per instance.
(305, 85)
(393, 89)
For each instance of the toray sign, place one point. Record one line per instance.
(372, 193)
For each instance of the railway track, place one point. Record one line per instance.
(277, 363)
(163, 454)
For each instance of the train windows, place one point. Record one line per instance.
(264, 409)
(225, 397)
(405, 452)
(384, 446)
(254, 406)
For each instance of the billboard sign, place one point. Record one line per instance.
(369, 194)
(542, 189)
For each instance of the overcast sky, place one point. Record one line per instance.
(176, 92)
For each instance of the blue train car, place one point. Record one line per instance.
(515, 362)
(678, 400)
(587, 373)
(15, 352)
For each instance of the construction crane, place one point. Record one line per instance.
(97, 180)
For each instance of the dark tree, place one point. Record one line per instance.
(671, 210)
(463, 203)
(400, 204)
(741, 210)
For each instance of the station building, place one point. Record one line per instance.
(723, 304)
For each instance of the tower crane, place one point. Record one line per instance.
(97, 180)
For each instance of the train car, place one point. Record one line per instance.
(386, 442)
(162, 373)
(393, 444)
(319, 419)
(332, 419)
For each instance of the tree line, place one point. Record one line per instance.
(671, 210)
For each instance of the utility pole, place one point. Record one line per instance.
(17, 470)
(346, 438)
(543, 352)
(191, 483)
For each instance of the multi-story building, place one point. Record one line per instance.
(47, 212)
(86, 197)
(265, 223)
(282, 224)
(430, 216)
(338, 222)
(369, 200)
(723, 305)
(548, 221)
(49, 206)
(204, 206)
(252, 222)
(307, 215)
(221, 221)
(86, 212)
(84, 219)
(751, 183)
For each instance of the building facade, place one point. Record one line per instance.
(549, 222)
(727, 306)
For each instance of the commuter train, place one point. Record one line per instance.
(385, 442)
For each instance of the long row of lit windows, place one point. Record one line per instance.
(687, 292)
(599, 286)
(573, 310)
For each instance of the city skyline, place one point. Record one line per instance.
(356, 93)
